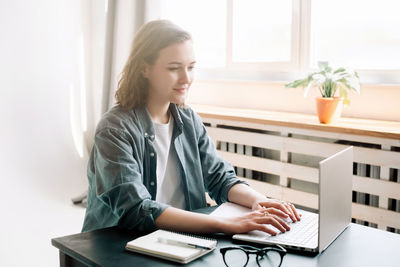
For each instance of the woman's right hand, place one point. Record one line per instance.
(255, 220)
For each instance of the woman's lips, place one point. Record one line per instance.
(180, 90)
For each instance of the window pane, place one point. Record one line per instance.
(261, 30)
(357, 34)
(206, 21)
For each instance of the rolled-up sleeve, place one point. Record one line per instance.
(118, 181)
(219, 175)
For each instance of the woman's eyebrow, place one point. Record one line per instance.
(179, 63)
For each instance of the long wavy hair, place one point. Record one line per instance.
(153, 36)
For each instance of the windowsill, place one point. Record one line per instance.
(365, 127)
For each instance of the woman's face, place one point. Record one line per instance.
(172, 74)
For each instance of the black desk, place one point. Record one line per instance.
(356, 246)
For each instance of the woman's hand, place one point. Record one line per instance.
(255, 220)
(246, 196)
(279, 208)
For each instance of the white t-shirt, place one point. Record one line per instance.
(169, 186)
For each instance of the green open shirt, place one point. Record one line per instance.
(122, 169)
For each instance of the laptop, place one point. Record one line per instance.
(314, 232)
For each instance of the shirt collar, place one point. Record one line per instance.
(147, 125)
(176, 115)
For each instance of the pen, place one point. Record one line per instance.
(180, 243)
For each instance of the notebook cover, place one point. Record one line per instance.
(150, 245)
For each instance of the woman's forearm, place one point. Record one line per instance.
(181, 220)
(244, 195)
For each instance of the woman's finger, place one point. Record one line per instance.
(291, 214)
(293, 208)
(264, 228)
(286, 207)
(281, 222)
(277, 212)
(275, 221)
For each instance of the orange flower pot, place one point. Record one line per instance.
(329, 109)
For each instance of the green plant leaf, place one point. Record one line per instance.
(321, 91)
(343, 93)
(296, 83)
(339, 70)
(322, 64)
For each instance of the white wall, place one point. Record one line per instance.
(39, 164)
(52, 57)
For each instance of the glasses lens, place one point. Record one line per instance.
(235, 258)
(272, 258)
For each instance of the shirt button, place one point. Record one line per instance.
(152, 183)
(146, 134)
(151, 154)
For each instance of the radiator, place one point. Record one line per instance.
(282, 162)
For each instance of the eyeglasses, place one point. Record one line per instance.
(239, 256)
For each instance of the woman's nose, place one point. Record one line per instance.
(185, 77)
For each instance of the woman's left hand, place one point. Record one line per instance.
(280, 208)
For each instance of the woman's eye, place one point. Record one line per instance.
(173, 69)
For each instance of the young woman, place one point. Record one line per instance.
(152, 159)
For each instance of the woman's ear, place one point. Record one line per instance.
(146, 70)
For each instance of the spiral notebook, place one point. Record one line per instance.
(177, 247)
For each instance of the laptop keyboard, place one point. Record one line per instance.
(300, 232)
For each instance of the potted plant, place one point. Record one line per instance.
(333, 85)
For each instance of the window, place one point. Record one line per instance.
(261, 30)
(278, 40)
(367, 35)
